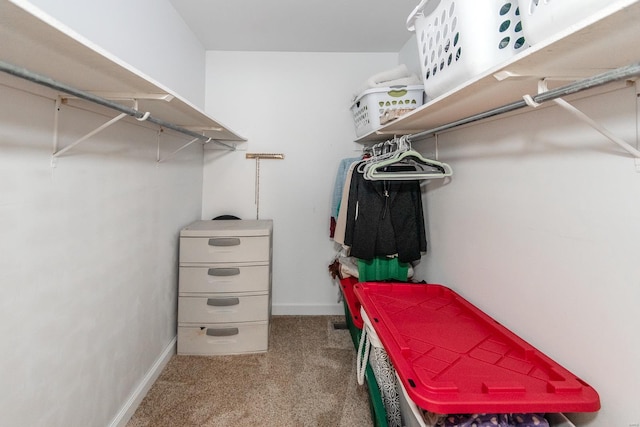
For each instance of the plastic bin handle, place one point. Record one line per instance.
(224, 241)
(223, 272)
(223, 302)
(413, 15)
(419, 11)
(224, 332)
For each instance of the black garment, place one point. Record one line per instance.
(385, 218)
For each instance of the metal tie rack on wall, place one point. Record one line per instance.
(622, 73)
(258, 156)
(123, 109)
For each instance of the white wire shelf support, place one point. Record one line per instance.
(100, 100)
(629, 72)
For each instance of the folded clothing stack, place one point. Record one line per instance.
(397, 76)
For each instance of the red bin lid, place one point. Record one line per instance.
(452, 358)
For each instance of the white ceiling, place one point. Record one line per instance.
(299, 25)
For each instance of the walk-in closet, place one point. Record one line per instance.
(408, 213)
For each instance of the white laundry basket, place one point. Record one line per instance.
(459, 39)
(544, 18)
(374, 107)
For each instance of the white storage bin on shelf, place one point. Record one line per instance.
(377, 106)
(458, 40)
(544, 18)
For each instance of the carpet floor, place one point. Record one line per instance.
(307, 378)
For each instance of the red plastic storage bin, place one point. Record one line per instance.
(453, 358)
(351, 300)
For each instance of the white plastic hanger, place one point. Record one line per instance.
(373, 169)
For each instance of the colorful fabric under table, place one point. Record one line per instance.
(452, 358)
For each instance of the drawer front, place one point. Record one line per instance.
(216, 308)
(224, 278)
(224, 249)
(230, 338)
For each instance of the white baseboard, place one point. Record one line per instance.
(307, 309)
(134, 400)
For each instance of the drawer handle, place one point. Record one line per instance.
(223, 302)
(233, 271)
(224, 332)
(224, 241)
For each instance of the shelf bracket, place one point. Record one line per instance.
(170, 155)
(201, 139)
(58, 152)
(542, 87)
(56, 114)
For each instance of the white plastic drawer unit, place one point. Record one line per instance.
(220, 309)
(224, 287)
(224, 338)
(224, 278)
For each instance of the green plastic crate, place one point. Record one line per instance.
(378, 412)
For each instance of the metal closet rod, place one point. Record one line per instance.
(632, 70)
(53, 84)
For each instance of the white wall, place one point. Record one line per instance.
(296, 104)
(539, 227)
(408, 55)
(88, 268)
(149, 35)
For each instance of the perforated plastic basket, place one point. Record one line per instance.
(384, 374)
(544, 18)
(459, 39)
(373, 106)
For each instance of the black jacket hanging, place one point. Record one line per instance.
(385, 218)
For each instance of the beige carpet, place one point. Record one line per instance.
(307, 378)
